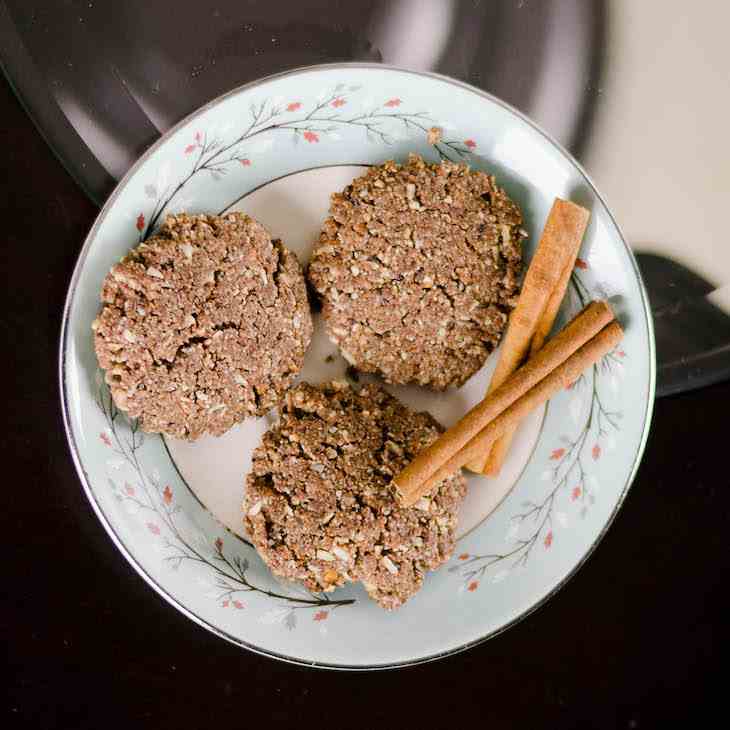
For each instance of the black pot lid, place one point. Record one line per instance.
(104, 80)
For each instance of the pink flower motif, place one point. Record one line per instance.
(198, 137)
(129, 489)
(596, 452)
(338, 102)
(581, 264)
(246, 162)
(190, 148)
(557, 454)
(470, 143)
(140, 222)
(153, 528)
(311, 136)
(548, 541)
(225, 604)
(473, 586)
(293, 106)
(237, 604)
(218, 544)
(167, 494)
(575, 493)
(463, 556)
(393, 102)
(621, 353)
(321, 615)
(105, 439)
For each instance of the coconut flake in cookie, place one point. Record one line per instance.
(418, 269)
(202, 325)
(319, 506)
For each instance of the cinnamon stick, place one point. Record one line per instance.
(578, 222)
(555, 353)
(561, 377)
(561, 236)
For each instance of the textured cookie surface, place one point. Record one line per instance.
(202, 325)
(318, 503)
(418, 269)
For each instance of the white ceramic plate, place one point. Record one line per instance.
(276, 149)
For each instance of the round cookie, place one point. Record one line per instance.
(418, 269)
(319, 506)
(202, 325)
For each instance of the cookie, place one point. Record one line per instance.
(202, 325)
(319, 505)
(418, 269)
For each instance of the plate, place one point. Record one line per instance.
(276, 149)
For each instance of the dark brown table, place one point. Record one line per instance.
(634, 641)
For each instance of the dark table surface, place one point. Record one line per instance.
(635, 640)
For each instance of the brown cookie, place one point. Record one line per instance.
(202, 325)
(319, 506)
(418, 269)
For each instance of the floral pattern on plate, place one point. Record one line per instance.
(572, 474)
(307, 121)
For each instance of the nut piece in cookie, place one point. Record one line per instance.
(202, 325)
(319, 506)
(418, 268)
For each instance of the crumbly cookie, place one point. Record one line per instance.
(418, 269)
(202, 325)
(319, 506)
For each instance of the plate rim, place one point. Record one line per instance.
(64, 395)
